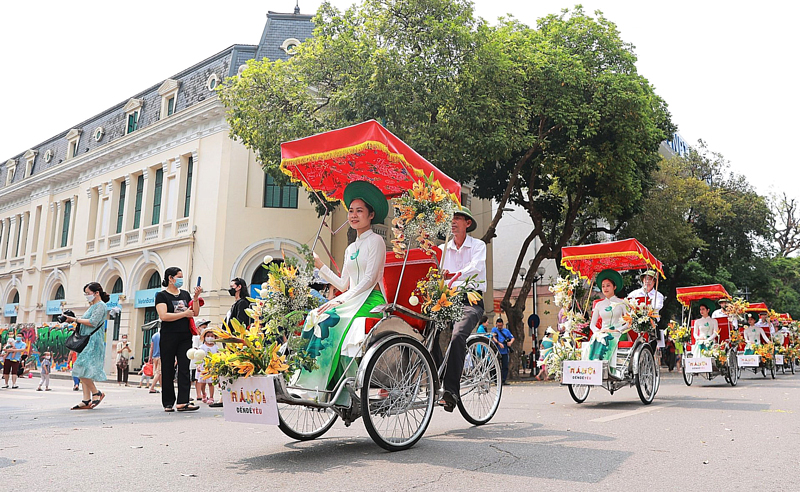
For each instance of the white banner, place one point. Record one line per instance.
(697, 364)
(749, 360)
(589, 372)
(251, 400)
(778, 360)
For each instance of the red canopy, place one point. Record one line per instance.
(687, 295)
(785, 317)
(590, 259)
(757, 307)
(328, 161)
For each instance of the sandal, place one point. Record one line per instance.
(154, 391)
(169, 409)
(84, 405)
(188, 408)
(448, 402)
(100, 396)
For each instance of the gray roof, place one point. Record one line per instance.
(279, 27)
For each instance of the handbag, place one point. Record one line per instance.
(147, 369)
(78, 342)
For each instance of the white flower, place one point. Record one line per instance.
(313, 320)
(268, 259)
(190, 353)
(199, 355)
(413, 300)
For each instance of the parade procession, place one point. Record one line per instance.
(399, 245)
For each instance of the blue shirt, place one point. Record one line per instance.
(502, 335)
(155, 343)
(482, 331)
(17, 346)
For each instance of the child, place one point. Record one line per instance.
(203, 383)
(46, 365)
(146, 373)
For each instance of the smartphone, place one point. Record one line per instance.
(198, 281)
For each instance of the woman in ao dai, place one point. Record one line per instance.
(753, 335)
(610, 312)
(705, 329)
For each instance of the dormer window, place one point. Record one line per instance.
(290, 45)
(74, 138)
(98, 133)
(30, 157)
(169, 95)
(11, 167)
(212, 82)
(133, 110)
(48, 155)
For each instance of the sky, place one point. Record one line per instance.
(727, 70)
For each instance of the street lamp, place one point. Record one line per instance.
(539, 275)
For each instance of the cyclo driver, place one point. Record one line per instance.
(464, 257)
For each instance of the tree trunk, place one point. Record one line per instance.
(517, 327)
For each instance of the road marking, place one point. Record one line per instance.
(631, 413)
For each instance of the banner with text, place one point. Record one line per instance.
(589, 372)
(251, 400)
(749, 360)
(697, 364)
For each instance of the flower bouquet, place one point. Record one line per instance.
(245, 352)
(680, 334)
(421, 214)
(564, 348)
(440, 300)
(641, 317)
(766, 352)
(718, 356)
(737, 307)
(563, 290)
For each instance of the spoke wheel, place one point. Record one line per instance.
(647, 378)
(579, 392)
(481, 383)
(733, 368)
(304, 423)
(688, 377)
(772, 368)
(398, 395)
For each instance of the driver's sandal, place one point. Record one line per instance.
(84, 405)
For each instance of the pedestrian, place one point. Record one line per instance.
(238, 289)
(172, 305)
(76, 382)
(123, 360)
(89, 363)
(503, 339)
(155, 358)
(205, 391)
(45, 372)
(145, 374)
(670, 354)
(14, 350)
(464, 258)
(197, 344)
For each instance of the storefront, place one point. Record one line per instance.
(146, 300)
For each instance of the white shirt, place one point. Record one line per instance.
(720, 313)
(764, 325)
(656, 298)
(468, 260)
(363, 266)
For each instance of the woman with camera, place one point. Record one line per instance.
(173, 308)
(123, 360)
(88, 366)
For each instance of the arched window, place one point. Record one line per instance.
(150, 314)
(117, 289)
(60, 295)
(261, 275)
(155, 281)
(12, 320)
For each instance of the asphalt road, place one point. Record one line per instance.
(708, 436)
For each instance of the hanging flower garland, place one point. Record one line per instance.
(421, 215)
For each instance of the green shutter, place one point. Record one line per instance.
(187, 200)
(121, 208)
(157, 196)
(170, 106)
(137, 211)
(65, 229)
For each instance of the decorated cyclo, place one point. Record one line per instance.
(391, 380)
(710, 343)
(618, 353)
(757, 351)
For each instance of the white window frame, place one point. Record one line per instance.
(11, 167)
(132, 106)
(73, 139)
(30, 157)
(167, 91)
(212, 78)
(285, 46)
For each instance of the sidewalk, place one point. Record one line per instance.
(133, 379)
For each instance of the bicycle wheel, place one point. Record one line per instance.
(579, 392)
(688, 377)
(481, 383)
(304, 423)
(733, 368)
(398, 394)
(647, 378)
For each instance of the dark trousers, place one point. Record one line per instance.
(122, 373)
(458, 348)
(504, 364)
(174, 346)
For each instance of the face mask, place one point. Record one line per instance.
(179, 282)
(19, 339)
(232, 291)
(210, 339)
(89, 297)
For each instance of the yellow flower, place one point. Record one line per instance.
(438, 194)
(245, 368)
(440, 216)
(276, 362)
(473, 297)
(442, 302)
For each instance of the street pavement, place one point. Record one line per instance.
(708, 436)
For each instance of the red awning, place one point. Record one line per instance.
(687, 295)
(590, 259)
(328, 162)
(757, 307)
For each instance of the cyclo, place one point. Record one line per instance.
(784, 356)
(724, 361)
(634, 363)
(397, 382)
(754, 354)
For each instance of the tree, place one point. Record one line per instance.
(592, 130)
(785, 224)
